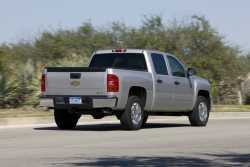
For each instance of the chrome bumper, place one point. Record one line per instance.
(46, 102)
(94, 102)
(104, 103)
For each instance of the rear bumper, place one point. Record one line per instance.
(46, 102)
(88, 102)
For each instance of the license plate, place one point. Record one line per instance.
(75, 100)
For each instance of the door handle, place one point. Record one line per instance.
(159, 81)
(176, 82)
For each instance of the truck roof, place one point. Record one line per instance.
(124, 51)
(119, 50)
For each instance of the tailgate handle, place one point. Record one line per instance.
(75, 75)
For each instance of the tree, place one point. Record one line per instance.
(194, 41)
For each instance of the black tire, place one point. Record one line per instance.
(65, 120)
(145, 119)
(126, 117)
(197, 118)
(118, 114)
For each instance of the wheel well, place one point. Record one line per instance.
(205, 94)
(139, 92)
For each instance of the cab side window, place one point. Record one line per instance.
(176, 67)
(159, 64)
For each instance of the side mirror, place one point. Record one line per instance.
(191, 71)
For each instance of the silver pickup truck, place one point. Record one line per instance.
(128, 83)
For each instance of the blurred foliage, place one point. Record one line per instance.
(195, 42)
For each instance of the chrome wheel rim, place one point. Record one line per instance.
(203, 111)
(136, 113)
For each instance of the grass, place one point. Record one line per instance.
(231, 108)
(36, 112)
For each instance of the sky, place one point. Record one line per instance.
(25, 19)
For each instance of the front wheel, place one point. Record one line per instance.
(200, 113)
(133, 116)
(65, 120)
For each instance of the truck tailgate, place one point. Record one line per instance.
(75, 81)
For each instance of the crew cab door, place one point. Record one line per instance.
(182, 86)
(162, 100)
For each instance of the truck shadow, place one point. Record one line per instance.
(211, 160)
(114, 127)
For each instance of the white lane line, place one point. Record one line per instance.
(114, 121)
(26, 126)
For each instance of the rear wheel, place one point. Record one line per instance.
(118, 114)
(200, 113)
(65, 120)
(132, 117)
(145, 119)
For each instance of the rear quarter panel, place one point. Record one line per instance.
(128, 79)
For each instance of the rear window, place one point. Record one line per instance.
(131, 61)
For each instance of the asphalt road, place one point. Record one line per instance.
(224, 142)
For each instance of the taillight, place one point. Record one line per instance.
(43, 83)
(112, 83)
